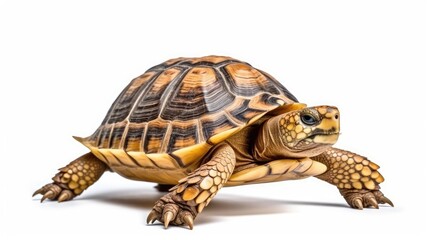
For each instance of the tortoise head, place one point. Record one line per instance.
(309, 131)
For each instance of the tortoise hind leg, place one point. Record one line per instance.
(184, 201)
(73, 179)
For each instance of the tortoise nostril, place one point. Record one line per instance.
(336, 116)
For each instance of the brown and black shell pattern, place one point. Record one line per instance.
(169, 117)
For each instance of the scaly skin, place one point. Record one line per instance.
(73, 179)
(292, 129)
(355, 176)
(193, 193)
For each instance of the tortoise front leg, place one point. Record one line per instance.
(73, 179)
(195, 192)
(355, 176)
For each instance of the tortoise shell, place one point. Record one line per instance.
(171, 116)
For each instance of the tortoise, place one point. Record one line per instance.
(194, 125)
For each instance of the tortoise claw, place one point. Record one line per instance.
(386, 200)
(168, 216)
(379, 196)
(372, 202)
(358, 203)
(189, 221)
(49, 194)
(65, 196)
(151, 218)
(38, 191)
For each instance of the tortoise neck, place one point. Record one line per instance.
(268, 145)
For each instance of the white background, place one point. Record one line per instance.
(63, 64)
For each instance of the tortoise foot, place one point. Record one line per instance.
(54, 191)
(168, 211)
(363, 198)
(73, 179)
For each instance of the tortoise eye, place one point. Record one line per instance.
(308, 119)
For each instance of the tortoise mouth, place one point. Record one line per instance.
(325, 138)
(316, 140)
(323, 133)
